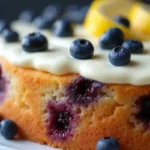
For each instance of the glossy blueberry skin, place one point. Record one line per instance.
(134, 46)
(122, 20)
(27, 15)
(111, 38)
(119, 56)
(4, 25)
(62, 28)
(35, 42)
(8, 129)
(108, 143)
(10, 36)
(43, 23)
(81, 49)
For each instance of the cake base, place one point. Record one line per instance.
(33, 98)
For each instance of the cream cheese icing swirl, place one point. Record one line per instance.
(57, 59)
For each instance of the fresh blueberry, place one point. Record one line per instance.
(53, 11)
(83, 91)
(134, 46)
(27, 15)
(119, 56)
(35, 42)
(8, 129)
(122, 20)
(111, 38)
(43, 22)
(108, 143)
(62, 28)
(10, 35)
(81, 49)
(4, 25)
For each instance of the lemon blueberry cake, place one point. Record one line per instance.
(68, 89)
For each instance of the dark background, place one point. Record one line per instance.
(10, 9)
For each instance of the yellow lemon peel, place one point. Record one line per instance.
(100, 18)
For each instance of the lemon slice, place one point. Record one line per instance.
(101, 14)
(140, 19)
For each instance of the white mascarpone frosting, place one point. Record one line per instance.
(57, 59)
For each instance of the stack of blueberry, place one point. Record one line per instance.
(112, 39)
(8, 129)
(83, 49)
(121, 50)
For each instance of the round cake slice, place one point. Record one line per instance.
(72, 91)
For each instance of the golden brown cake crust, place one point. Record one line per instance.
(112, 115)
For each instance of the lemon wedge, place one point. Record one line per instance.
(101, 14)
(140, 19)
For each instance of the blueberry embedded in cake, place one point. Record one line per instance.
(3, 86)
(143, 112)
(82, 91)
(61, 121)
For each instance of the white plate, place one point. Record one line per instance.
(21, 145)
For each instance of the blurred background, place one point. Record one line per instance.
(10, 9)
